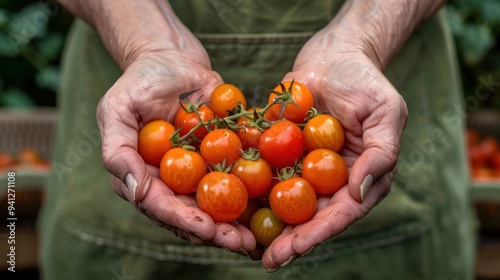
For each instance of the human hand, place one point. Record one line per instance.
(154, 76)
(351, 86)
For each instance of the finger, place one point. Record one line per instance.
(280, 251)
(187, 236)
(257, 253)
(163, 206)
(249, 243)
(333, 219)
(382, 132)
(119, 113)
(119, 132)
(228, 237)
(341, 212)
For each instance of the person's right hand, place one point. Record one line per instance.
(154, 76)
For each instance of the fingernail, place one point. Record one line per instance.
(308, 251)
(199, 236)
(131, 184)
(229, 250)
(271, 270)
(289, 261)
(146, 187)
(243, 252)
(365, 186)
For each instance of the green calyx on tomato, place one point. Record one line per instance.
(291, 103)
(237, 160)
(284, 98)
(193, 120)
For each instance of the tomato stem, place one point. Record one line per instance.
(250, 154)
(220, 166)
(256, 117)
(285, 97)
(285, 173)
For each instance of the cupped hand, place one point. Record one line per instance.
(351, 86)
(149, 89)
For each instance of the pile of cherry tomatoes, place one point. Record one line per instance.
(27, 158)
(484, 156)
(261, 167)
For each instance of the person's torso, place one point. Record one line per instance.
(253, 44)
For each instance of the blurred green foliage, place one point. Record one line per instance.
(476, 27)
(32, 34)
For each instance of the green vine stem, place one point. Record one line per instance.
(256, 117)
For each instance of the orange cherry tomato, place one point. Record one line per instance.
(293, 200)
(255, 175)
(181, 170)
(249, 135)
(154, 141)
(221, 145)
(301, 96)
(325, 170)
(224, 98)
(222, 196)
(324, 131)
(6, 160)
(28, 155)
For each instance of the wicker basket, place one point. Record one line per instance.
(28, 128)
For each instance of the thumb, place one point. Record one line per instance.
(119, 132)
(381, 142)
(373, 164)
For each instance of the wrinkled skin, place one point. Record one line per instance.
(150, 84)
(353, 89)
(344, 72)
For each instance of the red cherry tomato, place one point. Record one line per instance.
(489, 146)
(325, 170)
(154, 141)
(187, 120)
(472, 136)
(222, 196)
(293, 200)
(181, 170)
(282, 144)
(495, 160)
(219, 145)
(324, 132)
(476, 156)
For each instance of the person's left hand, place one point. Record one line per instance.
(349, 85)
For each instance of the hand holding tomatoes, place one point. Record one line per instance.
(147, 91)
(351, 87)
(275, 179)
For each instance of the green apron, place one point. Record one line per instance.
(424, 229)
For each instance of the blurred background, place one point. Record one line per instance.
(32, 35)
